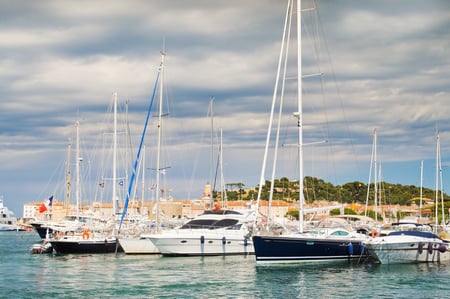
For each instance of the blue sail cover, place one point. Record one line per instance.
(138, 156)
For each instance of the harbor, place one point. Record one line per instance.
(149, 276)
(265, 149)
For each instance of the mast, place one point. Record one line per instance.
(375, 174)
(211, 173)
(77, 169)
(437, 180)
(299, 115)
(442, 189)
(68, 179)
(222, 178)
(421, 191)
(115, 198)
(143, 180)
(158, 156)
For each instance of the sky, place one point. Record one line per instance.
(384, 65)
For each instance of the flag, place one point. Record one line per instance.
(44, 206)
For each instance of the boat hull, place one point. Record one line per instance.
(141, 245)
(198, 244)
(299, 249)
(404, 249)
(10, 228)
(67, 246)
(43, 231)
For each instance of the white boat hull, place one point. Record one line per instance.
(402, 249)
(138, 245)
(202, 243)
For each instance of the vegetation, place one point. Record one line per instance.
(316, 189)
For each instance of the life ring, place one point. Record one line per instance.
(374, 233)
(85, 235)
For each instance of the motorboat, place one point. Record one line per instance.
(8, 222)
(214, 232)
(408, 246)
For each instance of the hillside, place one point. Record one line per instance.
(352, 192)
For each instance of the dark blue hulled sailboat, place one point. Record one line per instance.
(325, 244)
(335, 245)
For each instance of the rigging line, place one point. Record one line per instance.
(316, 46)
(333, 74)
(314, 35)
(130, 185)
(267, 143)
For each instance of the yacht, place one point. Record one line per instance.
(214, 232)
(408, 246)
(8, 222)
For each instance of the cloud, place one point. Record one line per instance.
(384, 65)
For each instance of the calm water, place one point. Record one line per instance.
(24, 275)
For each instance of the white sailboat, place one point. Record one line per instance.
(414, 243)
(141, 243)
(318, 246)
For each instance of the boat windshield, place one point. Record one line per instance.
(340, 233)
(209, 223)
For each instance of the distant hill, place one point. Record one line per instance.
(352, 192)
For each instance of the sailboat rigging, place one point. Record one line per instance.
(141, 244)
(327, 244)
(96, 237)
(138, 155)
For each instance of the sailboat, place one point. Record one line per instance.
(98, 237)
(334, 244)
(141, 244)
(415, 243)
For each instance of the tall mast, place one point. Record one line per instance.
(211, 173)
(68, 179)
(375, 173)
(437, 180)
(77, 169)
(158, 157)
(223, 190)
(299, 114)
(143, 180)
(421, 191)
(115, 199)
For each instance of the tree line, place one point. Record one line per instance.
(317, 189)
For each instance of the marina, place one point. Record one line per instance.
(154, 276)
(132, 212)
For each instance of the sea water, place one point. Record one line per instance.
(26, 275)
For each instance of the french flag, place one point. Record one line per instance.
(45, 205)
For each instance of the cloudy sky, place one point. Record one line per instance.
(385, 65)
